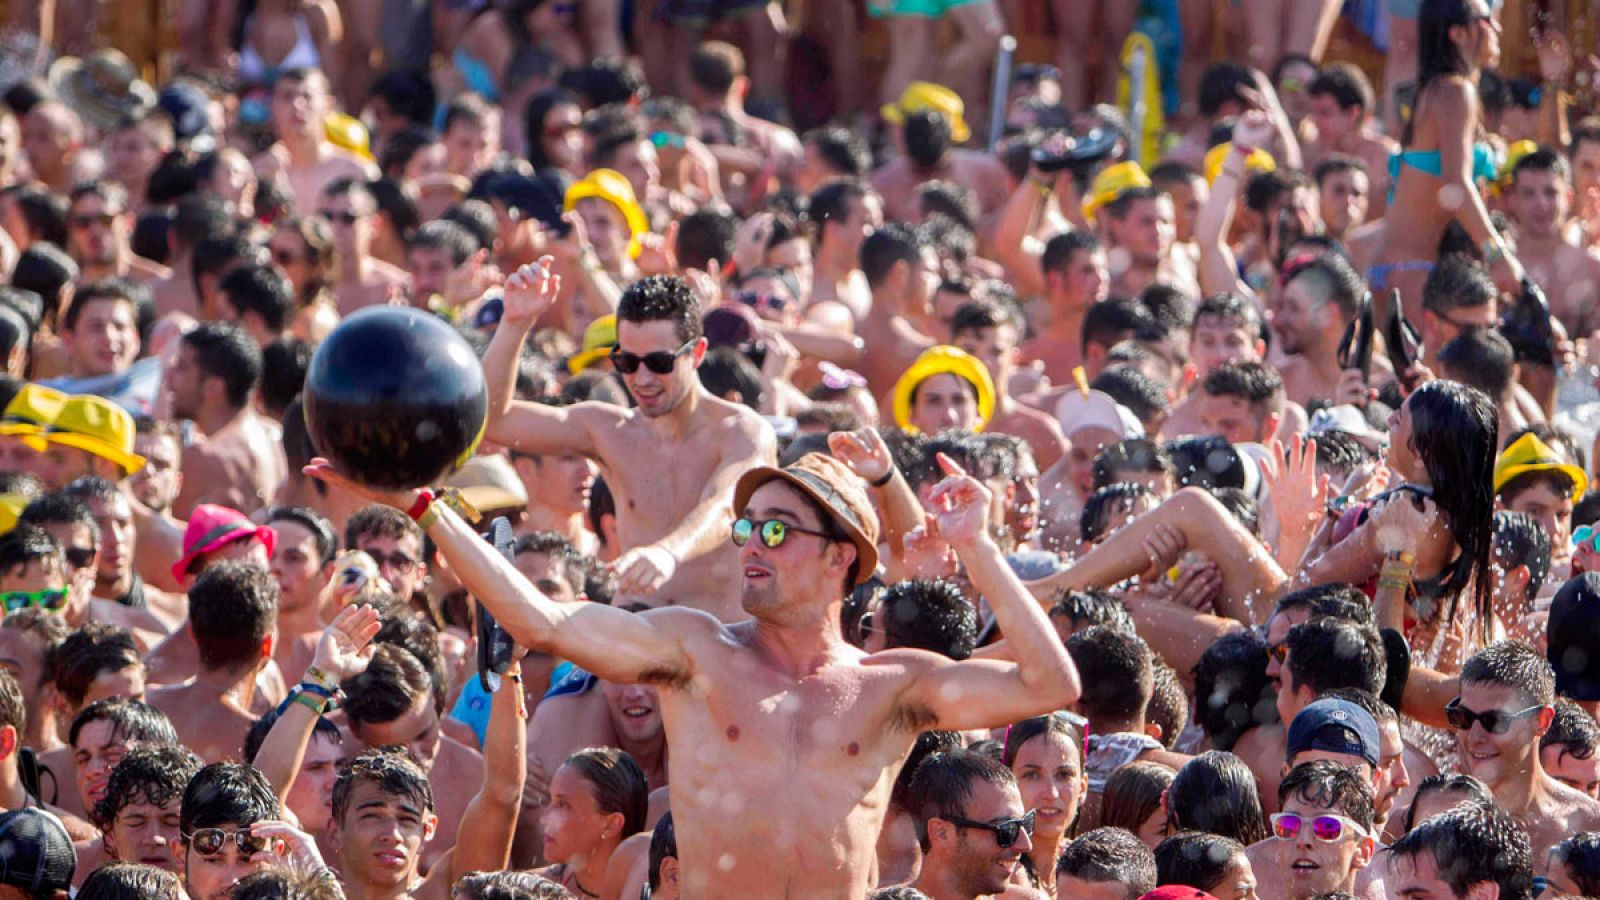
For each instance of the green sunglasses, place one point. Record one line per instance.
(773, 532)
(50, 599)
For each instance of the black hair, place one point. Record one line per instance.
(60, 508)
(1473, 843)
(25, 544)
(1132, 455)
(843, 149)
(1091, 607)
(378, 520)
(727, 369)
(1328, 784)
(131, 720)
(1094, 524)
(45, 213)
(197, 216)
(113, 289)
(832, 200)
(477, 217)
(704, 235)
(130, 881)
(215, 253)
(227, 352)
(284, 364)
(150, 773)
(1336, 280)
(617, 782)
(226, 794)
(13, 711)
(1232, 693)
(894, 243)
(604, 81)
(1579, 854)
(389, 687)
(927, 134)
(1456, 283)
(558, 547)
(1334, 599)
(1521, 541)
(1134, 389)
(1196, 859)
(1327, 653)
(263, 289)
(1573, 730)
(1116, 672)
(395, 774)
(1344, 83)
(402, 147)
(92, 650)
(533, 116)
(1110, 855)
(1113, 319)
(658, 298)
(1059, 250)
(1480, 358)
(1513, 665)
(929, 614)
(1228, 305)
(1437, 54)
(452, 237)
(1221, 83)
(1477, 792)
(943, 783)
(948, 199)
(1132, 793)
(1123, 204)
(663, 843)
(1216, 792)
(408, 92)
(233, 607)
(511, 885)
(260, 728)
(1169, 704)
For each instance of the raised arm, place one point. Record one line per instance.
(748, 442)
(529, 427)
(1219, 270)
(867, 455)
(483, 843)
(611, 643)
(984, 693)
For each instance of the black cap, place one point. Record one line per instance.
(1573, 638)
(35, 852)
(528, 196)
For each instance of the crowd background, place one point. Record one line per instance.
(1196, 403)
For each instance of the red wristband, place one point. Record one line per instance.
(424, 500)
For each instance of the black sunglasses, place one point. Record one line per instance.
(1006, 831)
(1493, 721)
(660, 362)
(78, 557)
(341, 218)
(210, 841)
(773, 532)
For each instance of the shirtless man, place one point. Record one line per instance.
(782, 715)
(846, 211)
(990, 332)
(362, 280)
(898, 265)
(1076, 275)
(302, 563)
(1341, 103)
(233, 617)
(239, 462)
(53, 139)
(115, 576)
(195, 218)
(70, 522)
(1139, 233)
(673, 519)
(1510, 688)
(134, 148)
(100, 235)
(558, 488)
(1319, 302)
(718, 85)
(303, 156)
(1540, 199)
(925, 157)
(1227, 328)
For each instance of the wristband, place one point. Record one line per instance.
(311, 687)
(319, 677)
(1243, 151)
(315, 704)
(1044, 186)
(1401, 556)
(430, 516)
(1493, 250)
(883, 479)
(420, 507)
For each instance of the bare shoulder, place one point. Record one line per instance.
(736, 418)
(699, 629)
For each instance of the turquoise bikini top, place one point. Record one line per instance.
(1485, 162)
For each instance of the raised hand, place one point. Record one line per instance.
(1252, 130)
(1403, 521)
(960, 506)
(927, 555)
(1298, 494)
(643, 570)
(863, 451)
(529, 292)
(346, 644)
(288, 846)
(658, 254)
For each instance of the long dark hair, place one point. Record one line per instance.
(1215, 792)
(539, 106)
(1455, 433)
(1437, 55)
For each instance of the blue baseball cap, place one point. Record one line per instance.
(1334, 726)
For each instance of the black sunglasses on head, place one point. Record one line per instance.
(1006, 831)
(660, 362)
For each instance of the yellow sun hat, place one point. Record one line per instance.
(98, 426)
(1529, 454)
(30, 413)
(613, 187)
(921, 96)
(1111, 183)
(944, 360)
(598, 339)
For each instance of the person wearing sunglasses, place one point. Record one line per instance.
(806, 536)
(1325, 830)
(100, 235)
(973, 829)
(1505, 707)
(673, 517)
(362, 279)
(220, 804)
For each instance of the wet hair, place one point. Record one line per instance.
(1335, 280)
(1091, 607)
(262, 289)
(377, 520)
(1230, 306)
(389, 687)
(1521, 541)
(1026, 730)
(1335, 599)
(155, 774)
(1216, 792)
(226, 794)
(1132, 793)
(560, 549)
(1473, 843)
(617, 782)
(1580, 854)
(1253, 382)
(1095, 521)
(1134, 389)
(233, 607)
(1457, 283)
(943, 782)
(1573, 730)
(282, 883)
(927, 134)
(1325, 783)
(13, 710)
(1447, 782)
(1110, 855)
(1453, 432)
(131, 720)
(1112, 320)
(1513, 665)
(926, 744)
(1543, 159)
(45, 628)
(1133, 455)
(130, 881)
(510, 886)
(929, 614)
(1437, 55)
(1480, 358)
(832, 201)
(1220, 83)
(1327, 653)
(1169, 705)
(659, 298)
(894, 243)
(394, 773)
(27, 544)
(1196, 859)
(1117, 675)
(843, 149)
(1060, 249)
(95, 649)
(226, 351)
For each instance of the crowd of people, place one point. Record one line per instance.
(1093, 512)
